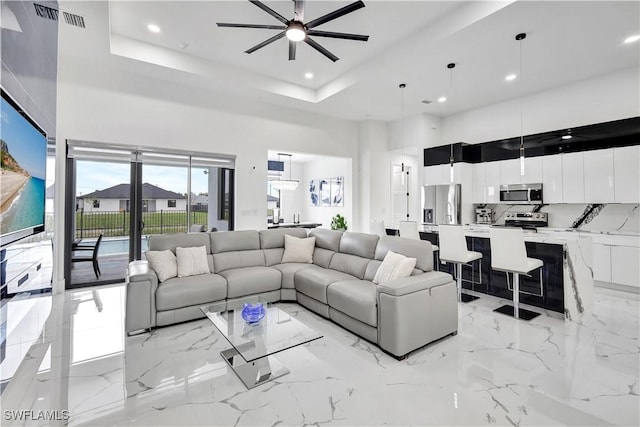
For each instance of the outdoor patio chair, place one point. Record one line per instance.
(86, 247)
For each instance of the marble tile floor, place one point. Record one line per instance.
(496, 371)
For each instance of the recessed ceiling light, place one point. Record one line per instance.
(632, 39)
(566, 137)
(183, 45)
(308, 76)
(442, 99)
(153, 28)
(510, 77)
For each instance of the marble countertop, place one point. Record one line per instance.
(555, 235)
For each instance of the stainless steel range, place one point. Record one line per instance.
(526, 219)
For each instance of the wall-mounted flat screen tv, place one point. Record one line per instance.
(23, 173)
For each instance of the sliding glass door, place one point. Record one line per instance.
(117, 197)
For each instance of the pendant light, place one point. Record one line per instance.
(519, 38)
(403, 178)
(285, 184)
(451, 66)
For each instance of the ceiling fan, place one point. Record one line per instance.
(296, 30)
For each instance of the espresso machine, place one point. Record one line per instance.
(484, 215)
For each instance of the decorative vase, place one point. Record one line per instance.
(252, 313)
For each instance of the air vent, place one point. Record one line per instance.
(53, 14)
(426, 101)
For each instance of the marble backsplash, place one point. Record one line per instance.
(607, 217)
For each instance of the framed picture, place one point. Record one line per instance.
(325, 192)
(337, 191)
(314, 192)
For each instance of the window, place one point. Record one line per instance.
(171, 203)
(96, 203)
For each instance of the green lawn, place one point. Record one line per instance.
(92, 224)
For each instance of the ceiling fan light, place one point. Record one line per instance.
(296, 32)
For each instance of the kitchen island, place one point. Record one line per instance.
(567, 272)
(294, 225)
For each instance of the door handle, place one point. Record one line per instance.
(141, 225)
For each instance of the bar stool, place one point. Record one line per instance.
(509, 254)
(409, 230)
(453, 249)
(377, 227)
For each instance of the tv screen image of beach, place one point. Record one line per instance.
(23, 174)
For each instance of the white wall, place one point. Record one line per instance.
(163, 204)
(610, 97)
(325, 167)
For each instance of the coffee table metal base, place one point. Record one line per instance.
(252, 374)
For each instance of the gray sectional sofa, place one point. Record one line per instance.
(399, 316)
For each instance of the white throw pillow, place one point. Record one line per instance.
(192, 261)
(298, 250)
(394, 266)
(164, 263)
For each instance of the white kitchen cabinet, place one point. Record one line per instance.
(625, 269)
(510, 171)
(492, 181)
(598, 176)
(573, 178)
(432, 175)
(479, 183)
(532, 170)
(626, 161)
(601, 262)
(552, 179)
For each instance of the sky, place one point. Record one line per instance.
(25, 143)
(92, 176)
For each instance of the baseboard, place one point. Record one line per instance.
(616, 287)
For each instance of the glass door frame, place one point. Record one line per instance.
(136, 224)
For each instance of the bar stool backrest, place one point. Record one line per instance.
(409, 230)
(508, 252)
(453, 245)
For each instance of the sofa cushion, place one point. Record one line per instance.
(313, 282)
(355, 298)
(270, 239)
(251, 280)
(350, 264)
(273, 256)
(161, 242)
(164, 263)
(192, 261)
(419, 249)
(327, 239)
(193, 290)
(298, 250)
(289, 270)
(372, 269)
(238, 259)
(360, 244)
(394, 266)
(231, 241)
(322, 257)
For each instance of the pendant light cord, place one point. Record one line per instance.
(402, 86)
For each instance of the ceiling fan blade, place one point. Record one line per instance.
(292, 50)
(270, 11)
(298, 10)
(335, 14)
(268, 27)
(338, 35)
(320, 49)
(266, 42)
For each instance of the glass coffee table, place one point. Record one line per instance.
(254, 344)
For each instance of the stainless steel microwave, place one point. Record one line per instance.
(521, 194)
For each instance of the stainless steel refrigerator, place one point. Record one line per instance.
(441, 204)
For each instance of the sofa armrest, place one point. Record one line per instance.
(417, 310)
(411, 284)
(140, 301)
